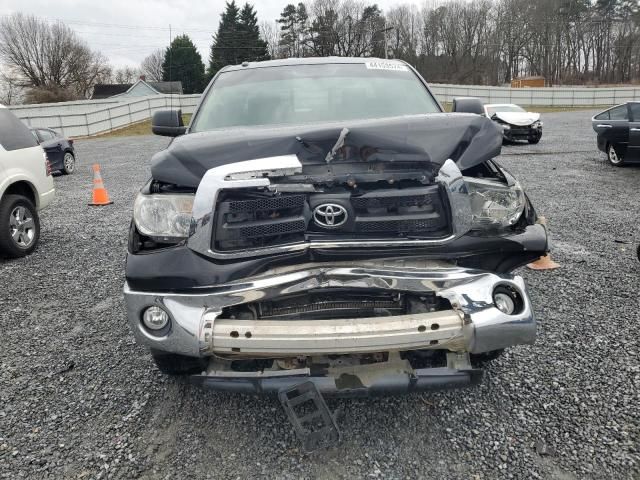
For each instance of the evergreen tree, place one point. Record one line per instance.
(183, 63)
(253, 47)
(294, 25)
(224, 49)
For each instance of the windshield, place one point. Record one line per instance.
(297, 94)
(491, 109)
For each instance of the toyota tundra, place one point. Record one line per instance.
(323, 220)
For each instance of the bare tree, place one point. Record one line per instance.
(270, 32)
(126, 75)
(10, 91)
(475, 41)
(49, 57)
(151, 66)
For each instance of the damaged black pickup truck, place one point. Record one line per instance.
(323, 220)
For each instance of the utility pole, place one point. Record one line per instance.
(384, 31)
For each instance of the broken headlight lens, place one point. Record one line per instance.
(494, 204)
(163, 216)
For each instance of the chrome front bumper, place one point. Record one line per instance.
(473, 325)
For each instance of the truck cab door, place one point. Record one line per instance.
(633, 151)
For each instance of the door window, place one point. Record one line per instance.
(14, 135)
(603, 116)
(619, 113)
(45, 135)
(635, 111)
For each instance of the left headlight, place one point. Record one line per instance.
(494, 204)
(163, 216)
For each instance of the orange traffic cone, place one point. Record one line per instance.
(543, 263)
(100, 195)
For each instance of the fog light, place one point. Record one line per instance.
(155, 318)
(504, 302)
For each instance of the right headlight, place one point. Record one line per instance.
(163, 216)
(494, 204)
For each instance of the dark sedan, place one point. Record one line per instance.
(59, 150)
(618, 130)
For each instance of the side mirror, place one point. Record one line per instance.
(168, 123)
(468, 105)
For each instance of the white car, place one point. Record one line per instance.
(516, 122)
(26, 186)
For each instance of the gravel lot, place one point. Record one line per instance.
(78, 398)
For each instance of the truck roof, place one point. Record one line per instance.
(310, 61)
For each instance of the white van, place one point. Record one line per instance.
(26, 186)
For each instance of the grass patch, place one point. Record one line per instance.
(140, 128)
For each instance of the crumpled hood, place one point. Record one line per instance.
(467, 139)
(520, 119)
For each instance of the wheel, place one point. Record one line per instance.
(615, 159)
(19, 226)
(535, 139)
(173, 364)
(68, 163)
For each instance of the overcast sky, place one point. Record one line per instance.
(126, 31)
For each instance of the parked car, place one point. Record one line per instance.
(26, 186)
(516, 122)
(618, 130)
(322, 219)
(59, 150)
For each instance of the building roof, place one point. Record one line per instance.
(104, 90)
(167, 87)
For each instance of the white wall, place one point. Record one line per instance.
(90, 117)
(556, 96)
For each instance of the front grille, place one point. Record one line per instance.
(251, 219)
(520, 131)
(273, 203)
(413, 226)
(269, 229)
(243, 223)
(403, 201)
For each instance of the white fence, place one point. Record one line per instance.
(554, 96)
(90, 117)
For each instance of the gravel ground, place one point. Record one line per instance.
(78, 398)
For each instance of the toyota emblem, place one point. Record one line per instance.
(330, 215)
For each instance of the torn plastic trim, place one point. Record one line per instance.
(419, 380)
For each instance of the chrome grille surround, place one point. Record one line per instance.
(257, 173)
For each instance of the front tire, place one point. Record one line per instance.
(173, 364)
(68, 163)
(614, 157)
(19, 226)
